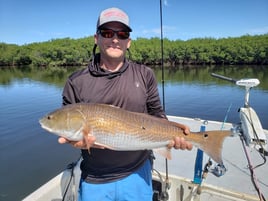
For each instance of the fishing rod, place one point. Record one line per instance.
(164, 194)
(162, 56)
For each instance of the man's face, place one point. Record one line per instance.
(116, 46)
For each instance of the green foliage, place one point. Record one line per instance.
(74, 52)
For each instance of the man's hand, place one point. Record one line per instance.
(180, 142)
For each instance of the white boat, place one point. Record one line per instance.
(235, 184)
(243, 176)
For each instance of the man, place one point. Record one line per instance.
(112, 79)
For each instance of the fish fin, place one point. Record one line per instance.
(86, 133)
(103, 146)
(212, 142)
(164, 151)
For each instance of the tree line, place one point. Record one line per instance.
(199, 51)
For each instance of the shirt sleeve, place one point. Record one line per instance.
(68, 95)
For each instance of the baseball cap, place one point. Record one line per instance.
(113, 15)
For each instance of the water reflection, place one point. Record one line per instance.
(202, 74)
(198, 74)
(188, 91)
(52, 75)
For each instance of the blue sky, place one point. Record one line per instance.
(27, 21)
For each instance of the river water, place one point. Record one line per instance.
(30, 156)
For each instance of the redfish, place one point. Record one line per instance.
(118, 129)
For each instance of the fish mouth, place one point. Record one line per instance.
(41, 122)
(46, 128)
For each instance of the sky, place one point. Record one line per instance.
(27, 21)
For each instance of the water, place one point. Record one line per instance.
(195, 93)
(30, 156)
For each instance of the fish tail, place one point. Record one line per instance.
(212, 144)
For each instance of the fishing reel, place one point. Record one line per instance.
(217, 170)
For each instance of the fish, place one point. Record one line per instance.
(122, 130)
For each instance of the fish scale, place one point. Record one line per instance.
(122, 130)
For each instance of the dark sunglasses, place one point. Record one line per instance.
(109, 33)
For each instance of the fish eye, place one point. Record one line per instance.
(48, 117)
(205, 135)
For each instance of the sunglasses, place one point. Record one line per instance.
(109, 33)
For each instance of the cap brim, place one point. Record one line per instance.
(127, 27)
